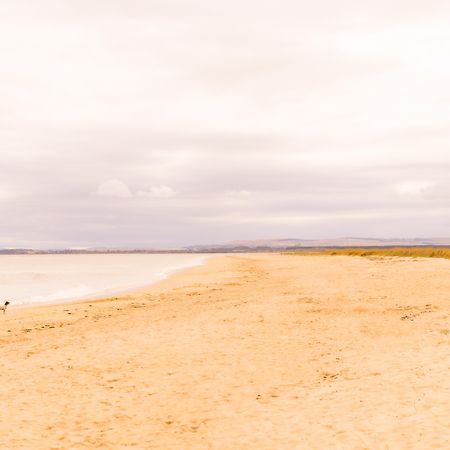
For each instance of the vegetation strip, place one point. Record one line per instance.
(407, 252)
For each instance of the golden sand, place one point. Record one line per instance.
(246, 352)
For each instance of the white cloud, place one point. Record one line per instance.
(334, 115)
(4, 194)
(114, 188)
(240, 193)
(415, 188)
(157, 192)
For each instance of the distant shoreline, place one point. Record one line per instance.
(217, 250)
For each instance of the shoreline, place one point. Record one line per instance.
(246, 351)
(174, 279)
(113, 292)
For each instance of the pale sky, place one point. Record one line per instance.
(152, 123)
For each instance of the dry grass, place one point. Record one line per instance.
(406, 252)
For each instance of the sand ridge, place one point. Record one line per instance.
(246, 352)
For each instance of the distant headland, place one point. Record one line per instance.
(243, 246)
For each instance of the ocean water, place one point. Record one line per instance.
(31, 279)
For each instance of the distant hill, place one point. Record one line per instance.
(289, 244)
(257, 245)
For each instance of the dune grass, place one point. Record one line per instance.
(406, 252)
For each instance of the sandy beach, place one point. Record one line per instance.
(261, 351)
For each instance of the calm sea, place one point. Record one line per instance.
(28, 279)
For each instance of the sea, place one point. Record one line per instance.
(38, 279)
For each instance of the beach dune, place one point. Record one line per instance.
(261, 351)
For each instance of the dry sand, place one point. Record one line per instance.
(246, 352)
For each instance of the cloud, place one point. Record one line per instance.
(415, 188)
(114, 188)
(157, 192)
(334, 123)
(241, 193)
(4, 194)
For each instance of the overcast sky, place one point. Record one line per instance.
(168, 122)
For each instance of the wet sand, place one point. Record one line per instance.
(245, 352)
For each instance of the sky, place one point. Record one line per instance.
(164, 123)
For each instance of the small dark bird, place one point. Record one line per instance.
(3, 308)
